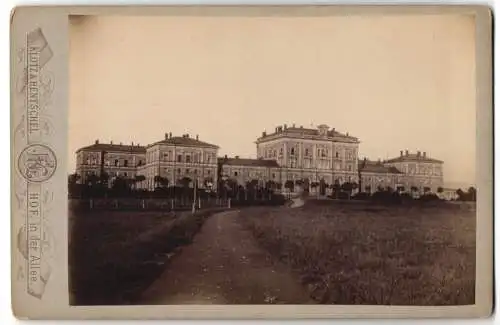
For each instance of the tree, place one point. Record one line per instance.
(139, 179)
(185, 181)
(92, 180)
(471, 193)
(271, 185)
(289, 184)
(73, 178)
(120, 185)
(427, 189)
(348, 187)
(208, 182)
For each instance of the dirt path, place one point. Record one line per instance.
(224, 265)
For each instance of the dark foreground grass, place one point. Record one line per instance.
(365, 254)
(115, 255)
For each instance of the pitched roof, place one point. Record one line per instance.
(308, 131)
(248, 162)
(413, 158)
(186, 141)
(376, 167)
(114, 148)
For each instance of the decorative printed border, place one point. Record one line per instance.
(36, 163)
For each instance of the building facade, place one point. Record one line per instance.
(311, 155)
(374, 175)
(116, 160)
(244, 171)
(177, 159)
(418, 170)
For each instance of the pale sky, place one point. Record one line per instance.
(395, 82)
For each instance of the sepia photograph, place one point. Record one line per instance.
(251, 162)
(272, 160)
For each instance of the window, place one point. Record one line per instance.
(323, 153)
(187, 170)
(235, 173)
(140, 163)
(292, 152)
(281, 151)
(117, 163)
(208, 172)
(307, 152)
(179, 170)
(336, 154)
(165, 156)
(349, 167)
(125, 174)
(125, 163)
(274, 153)
(274, 175)
(196, 171)
(188, 158)
(179, 158)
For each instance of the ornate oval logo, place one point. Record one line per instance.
(37, 163)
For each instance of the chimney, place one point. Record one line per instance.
(264, 134)
(347, 134)
(333, 129)
(166, 136)
(170, 135)
(401, 153)
(293, 125)
(132, 143)
(406, 153)
(284, 126)
(187, 135)
(96, 141)
(111, 142)
(301, 127)
(418, 153)
(197, 137)
(225, 156)
(425, 154)
(121, 143)
(237, 157)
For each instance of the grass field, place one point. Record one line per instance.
(115, 255)
(365, 254)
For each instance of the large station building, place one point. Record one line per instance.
(302, 155)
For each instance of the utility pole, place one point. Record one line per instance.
(194, 195)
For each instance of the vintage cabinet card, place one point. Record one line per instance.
(251, 162)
